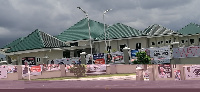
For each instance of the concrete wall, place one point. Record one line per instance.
(120, 69)
(11, 76)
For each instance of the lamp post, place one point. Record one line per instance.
(88, 27)
(104, 27)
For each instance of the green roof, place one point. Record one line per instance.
(191, 28)
(35, 40)
(120, 30)
(80, 31)
(157, 30)
(13, 43)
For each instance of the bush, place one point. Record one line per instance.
(79, 70)
(142, 58)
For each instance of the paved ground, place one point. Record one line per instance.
(99, 84)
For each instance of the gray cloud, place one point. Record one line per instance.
(18, 18)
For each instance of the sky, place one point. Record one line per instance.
(18, 18)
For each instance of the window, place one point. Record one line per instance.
(108, 48)
(167, 41)
(37, 59)
(161, 42)
(158, 42)
(192, 41)
(170, 41)
(152, 43)
(121, 47)
(182, 41)
(186, 41)
(74, 44)
(138, 46)
(199, 39)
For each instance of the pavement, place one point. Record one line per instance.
(130, 77)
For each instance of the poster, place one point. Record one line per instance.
(177, 74)
(193, 51)
(12, 68)
(99, 58)
(164, 71)
(192, 71)
(50, 67)
(33, 69)
(68, 66)
(3, 71)
(96, 69)
(146, 75)
(133, 53)
(73, 60)
(28, 60)
(118, 57)
(160, 61)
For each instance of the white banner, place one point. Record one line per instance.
(96, 69)
(160, 53)
(185, 52)
(3, 71)
(192, 72)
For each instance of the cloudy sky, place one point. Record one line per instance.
(18, 18)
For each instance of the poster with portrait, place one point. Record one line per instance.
(29, 61)
(99, 58)
(164, 71)
(118, 57)
(96, 69)
(3, 71)
(177, 74)
(12, 68)
(192, 71)
(33, 69)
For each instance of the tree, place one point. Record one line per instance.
(142, 58)
(79, 70)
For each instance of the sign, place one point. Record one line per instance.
(161, 61)
(146, 75)
(164, 71)
(192, 72)
(185, 52)
(51, 67)
(99, 58)
(118, 57)
(133, 53)
(96, 69)
(29, 61)
(3, 71)
(12, 68)
(34, 70)
(65, 61)
(177, 74)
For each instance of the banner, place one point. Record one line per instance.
(12, 68)
(192, 71)
(67, 67)
(133, 53)
(185, 52)
(164, 71)
(177, 74)
(99, 58)
(118, 57)
(28, 60)
(73, 60)
(96, 69)
(3, 71)
(50, 67)
(34, 70)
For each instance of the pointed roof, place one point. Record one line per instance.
(120, 30)
(35, 40)
(191, 28)
(80, 31)
(13, 43)
(157, 30)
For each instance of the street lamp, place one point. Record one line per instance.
(88, 27)
(104, 27)
(105, 30)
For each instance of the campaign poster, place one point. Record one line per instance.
(164, 71)
(51, 67)
(89, 59)
(192, 51)
(33, 69)
(146, 75)
(68, 66)
(192, 71)
(160, 53)
(99, 58)
(3, 72)
(96, 69)
(12, 68)
(118, 57)
(177, 74)
(29, 61)
(133, 53)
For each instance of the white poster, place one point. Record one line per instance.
(146, 75)
(192, 71)
(185, 52)
(3, 71)
(160, 53)
(96, 69)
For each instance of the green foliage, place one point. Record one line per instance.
(79, 70)
(142, 58)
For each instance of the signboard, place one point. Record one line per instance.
(177, 74)
(34, 70)
(99, 58)
(3, 71)
(96, 69)
(28, 60)
(133, 53)
(118, 57)
(192, 71)
(164, 71)
(185, 52)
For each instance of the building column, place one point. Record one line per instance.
(126, 55)
(71, 53)
(83, 60)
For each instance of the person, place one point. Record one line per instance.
(90, 60)
(109, 58)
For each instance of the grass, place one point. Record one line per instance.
(89, 76)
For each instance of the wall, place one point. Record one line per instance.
(120, 68)
(132, 42)
(11, 76)
(83, 43)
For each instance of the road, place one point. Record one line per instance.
(99, 84)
